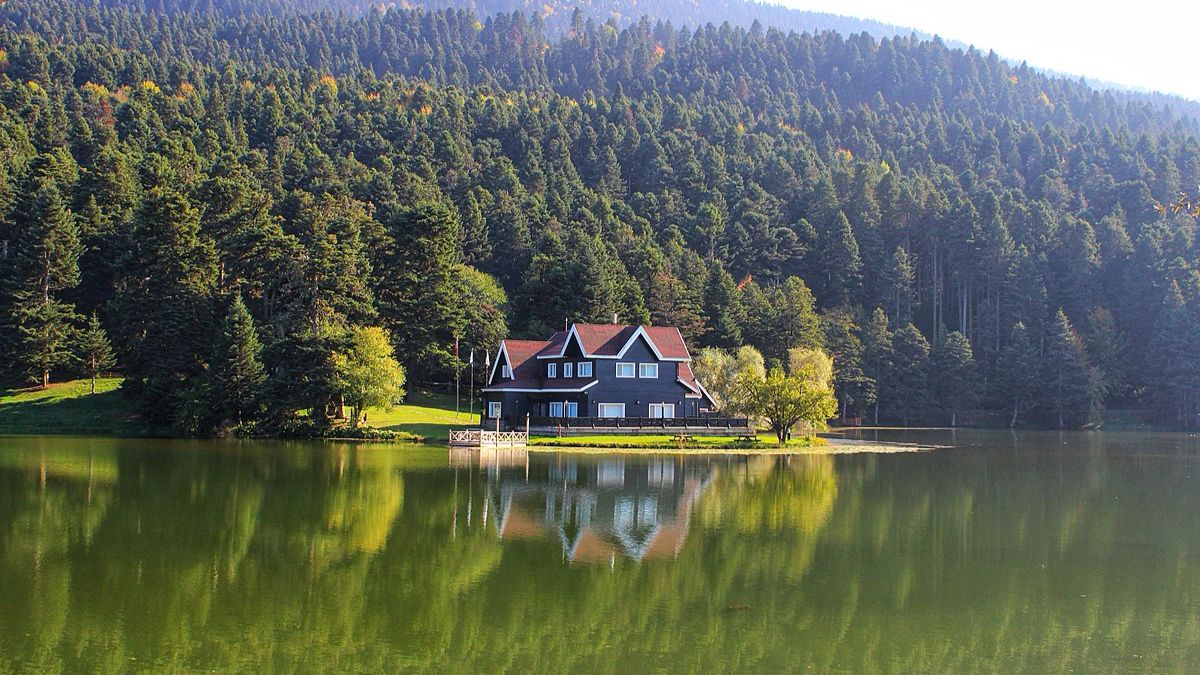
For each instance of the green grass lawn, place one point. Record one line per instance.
(428, 415)
(68, 408)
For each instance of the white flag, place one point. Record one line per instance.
(472, 356)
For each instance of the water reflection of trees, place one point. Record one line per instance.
(1034, 556)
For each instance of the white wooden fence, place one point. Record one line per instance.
(483, 438)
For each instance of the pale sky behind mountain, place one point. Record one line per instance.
(1150, 44)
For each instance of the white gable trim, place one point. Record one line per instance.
(686, 385)
(641, 331)
(566, 341)
(503, 351)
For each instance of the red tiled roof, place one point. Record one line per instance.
(669, 341)
(521, 359)
(607, 339)
(686, 375)
(597, 340)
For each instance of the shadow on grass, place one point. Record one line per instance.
(429, 431)
(49, 412)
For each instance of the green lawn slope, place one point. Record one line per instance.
(68, 408)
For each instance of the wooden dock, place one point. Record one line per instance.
(483, 438)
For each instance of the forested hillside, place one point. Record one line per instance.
(962, 235)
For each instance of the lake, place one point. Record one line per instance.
(1034, 552)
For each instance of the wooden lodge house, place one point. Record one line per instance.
(601, 378)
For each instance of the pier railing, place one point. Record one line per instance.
(486, 438)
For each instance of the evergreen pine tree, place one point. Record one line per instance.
(1018, 382)
(1070, 384)
(237, 373)
(953, 375)
(94, 351)
(723, 307)
(841, 268)
(909, 392)
(415, 288)
(898, 286)
(46, 265)
(878, 359)
(163, 304)
(852, 386)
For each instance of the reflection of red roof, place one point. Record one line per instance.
(667, 541)
(591, 547)
(520, 525)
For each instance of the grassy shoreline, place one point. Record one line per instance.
(68, 409)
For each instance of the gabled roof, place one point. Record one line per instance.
(519, 354)
(607, 340)
(595, 341)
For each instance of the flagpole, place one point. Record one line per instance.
(471, 387)
(457, 380)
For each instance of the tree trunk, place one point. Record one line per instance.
(45, 379)
(93, 372)
(876, 422)
(1012, 424)
(953, 418)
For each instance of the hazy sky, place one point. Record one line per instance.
(1153, 44)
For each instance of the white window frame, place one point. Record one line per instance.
(551, 370)
(663, 408)
(506, 372)
(632, 370)
(583, 369)
(600, 409)
(559, 405)
(572, 409)
(495, 408)
(643, 367)
(568, 369)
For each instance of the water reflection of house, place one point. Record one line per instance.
(598, 511)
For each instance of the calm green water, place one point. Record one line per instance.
(1031, 552)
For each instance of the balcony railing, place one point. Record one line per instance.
(732, 423)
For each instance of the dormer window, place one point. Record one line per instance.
(506, 372)
(568, 369)
(551, 370)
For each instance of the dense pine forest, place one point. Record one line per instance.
(220, 200)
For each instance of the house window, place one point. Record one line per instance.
(662, 410)
(506, 372)
(551, 370)
(493, 409)
(568, 369)
(611, 409)
(572, 409)
(625, 369)
(556, 409)
(648, 370)
(584, 368)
